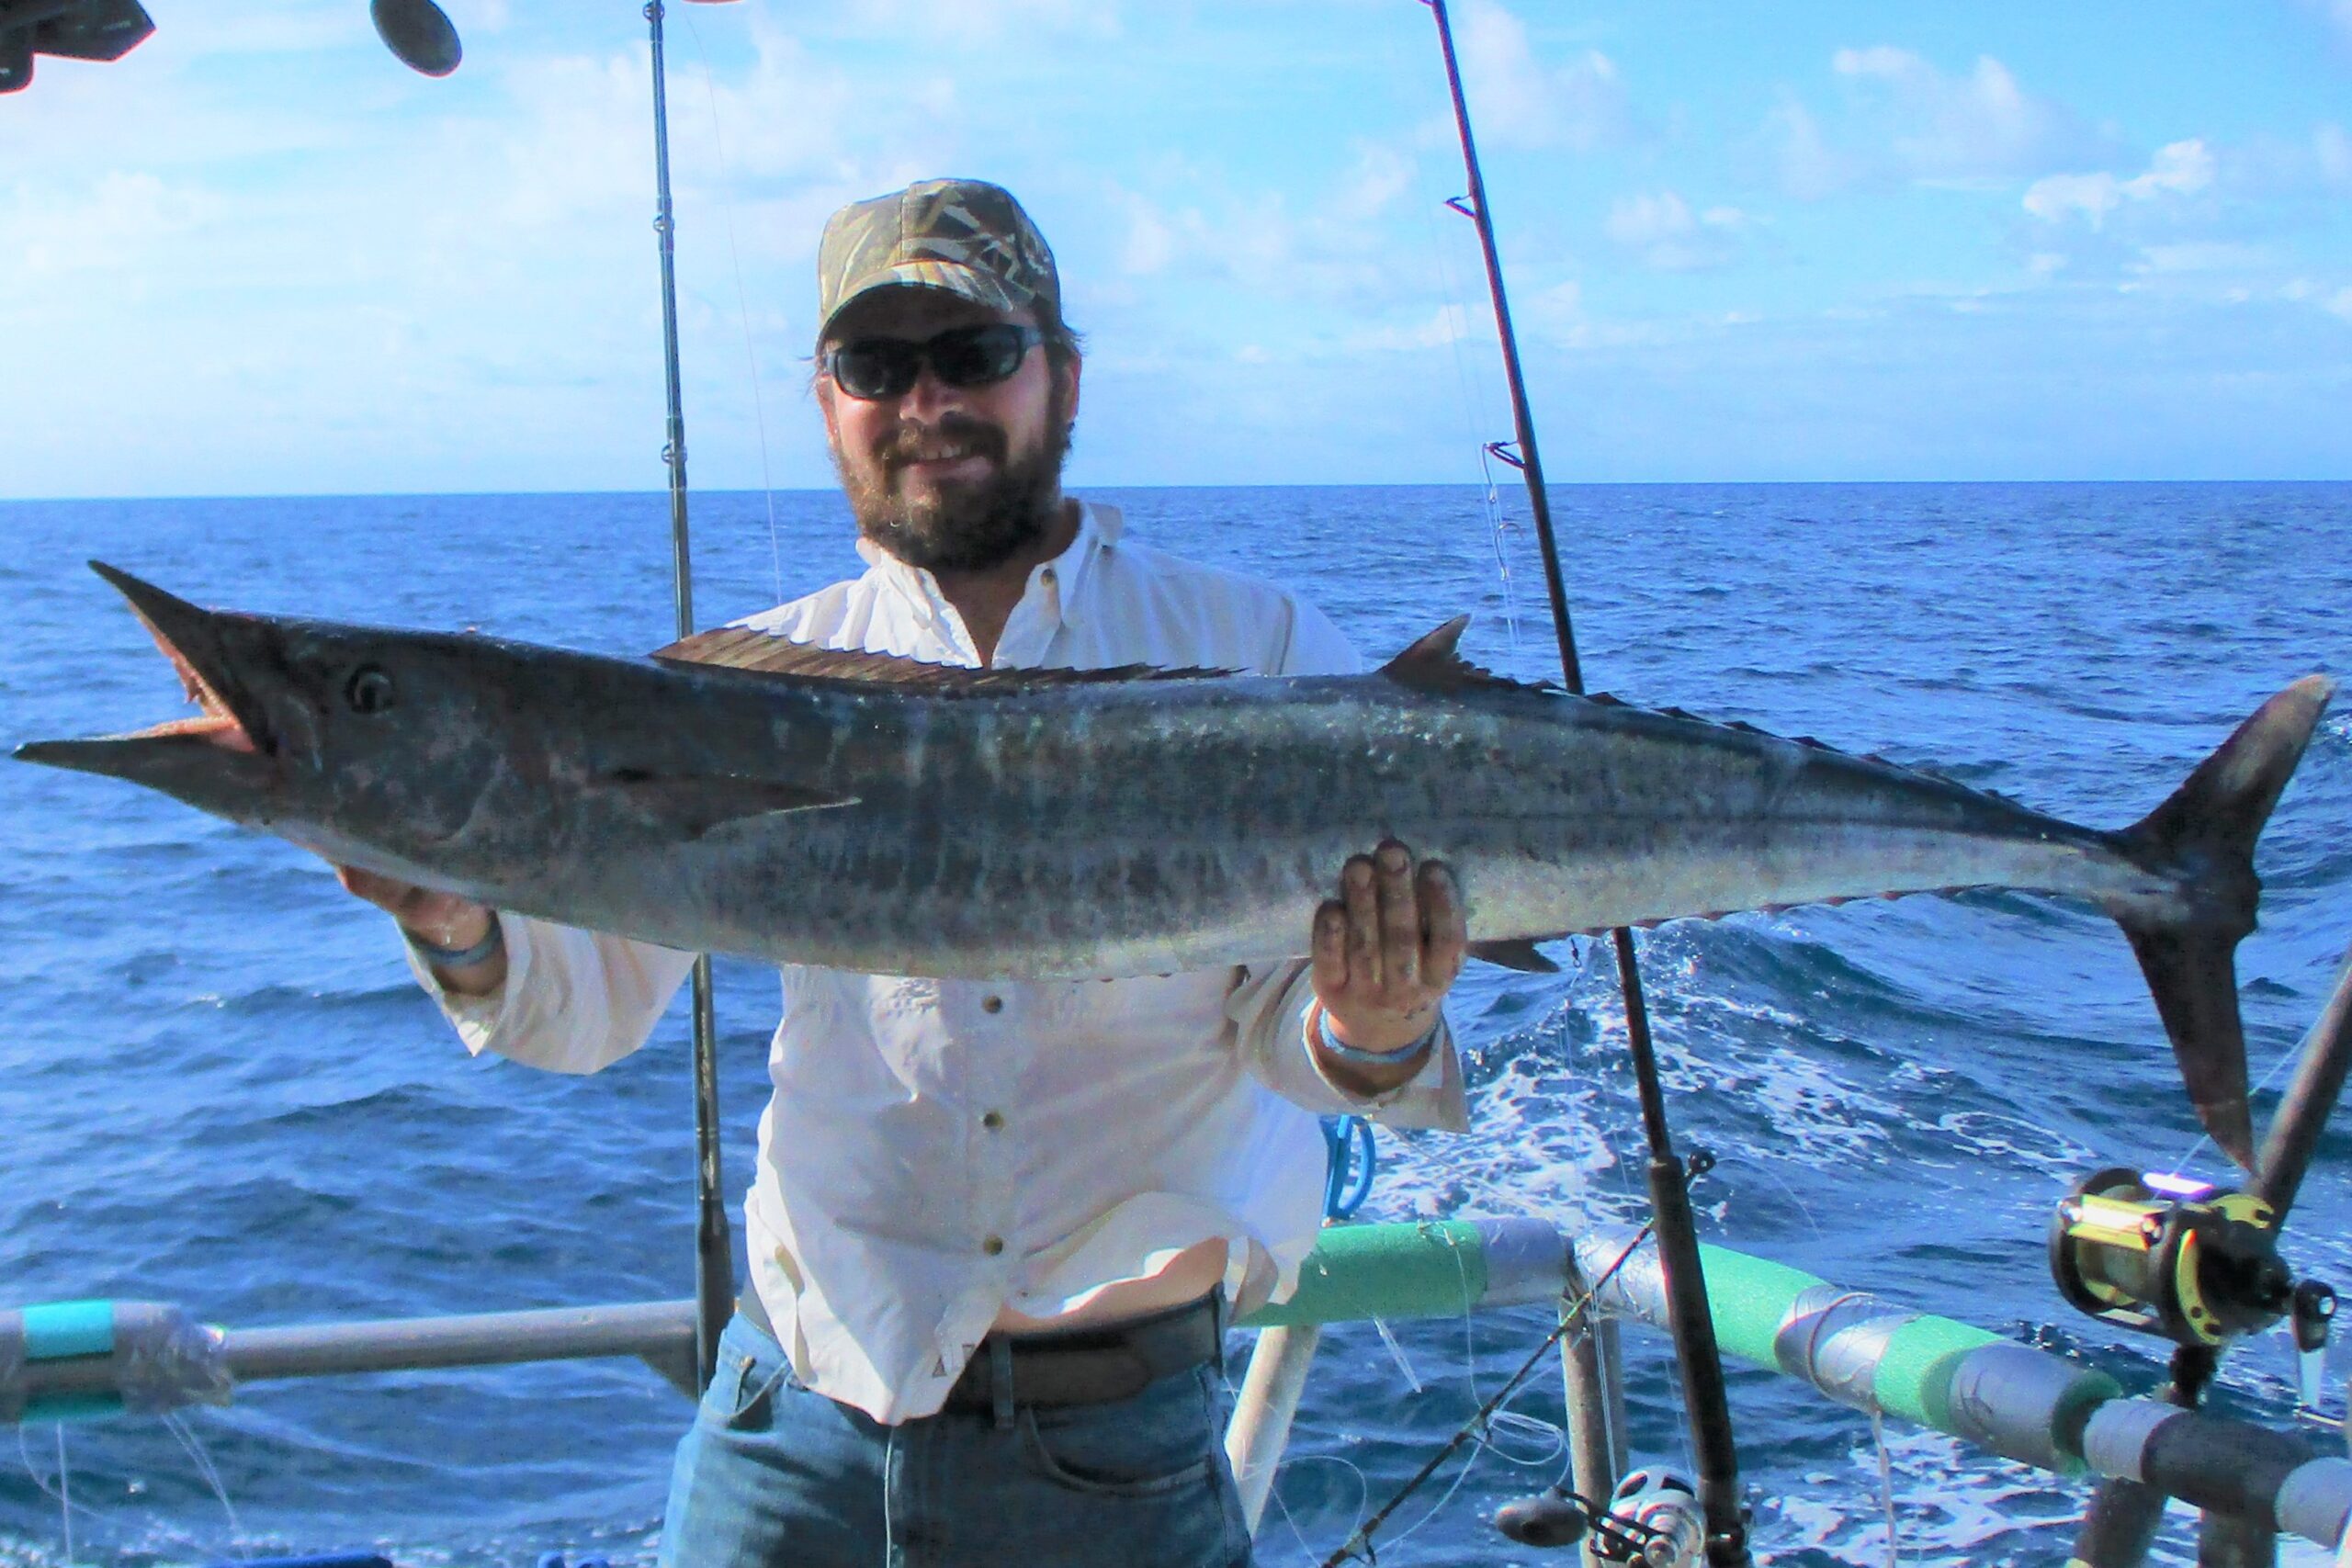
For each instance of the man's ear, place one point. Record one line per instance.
(1068, 375)
(826, 391)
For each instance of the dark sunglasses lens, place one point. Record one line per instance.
(978, 357)
(876, 367)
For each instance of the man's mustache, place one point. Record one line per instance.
(954, 436)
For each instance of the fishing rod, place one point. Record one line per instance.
(420, 33)
(1693, 1329)
(714, 1245)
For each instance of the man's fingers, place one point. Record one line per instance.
(380, 890)
(1400, 918)
(1448, 940)
(1330, 947)
(1362, 898)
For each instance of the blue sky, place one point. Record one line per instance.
(1802, 240)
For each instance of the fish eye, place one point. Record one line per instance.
(369, 690)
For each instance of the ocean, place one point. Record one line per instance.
(218, 1087)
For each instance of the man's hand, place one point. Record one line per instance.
(442, 919)
(1387, 950)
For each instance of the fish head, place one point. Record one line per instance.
(372, 746)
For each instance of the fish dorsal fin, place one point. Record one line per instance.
(757, 652)
(1434, 664)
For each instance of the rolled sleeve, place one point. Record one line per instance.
(575, 1002)
(1268, 1010)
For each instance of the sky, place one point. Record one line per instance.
(1804, 241)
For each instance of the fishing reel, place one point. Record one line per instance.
(2184, 1260)
(1652, 1520)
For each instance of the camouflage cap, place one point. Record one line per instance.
(966, 236)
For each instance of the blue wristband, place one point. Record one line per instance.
(1319, 1025)
(441, 957)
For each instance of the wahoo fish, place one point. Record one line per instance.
(738, 793)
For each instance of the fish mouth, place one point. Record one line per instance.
(227, 719)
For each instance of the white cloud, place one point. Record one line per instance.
(1150, 242)
(1941, 126)
(2340, 305)
(983, 21)
(1668, 235)
(2200, 255)
(2333, 149)
(1809, 167)
(1381, 174)
(2180, 168)
(1522, 102)
(1448, 323)
(124, 225)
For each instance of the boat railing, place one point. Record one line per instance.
(79, 1359)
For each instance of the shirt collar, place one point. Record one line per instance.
(1098, 527)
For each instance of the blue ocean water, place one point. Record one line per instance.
(217, 1086)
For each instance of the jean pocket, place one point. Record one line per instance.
(1163, 1440)
(741, 1394)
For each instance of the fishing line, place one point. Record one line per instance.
(1482, 1442)
(1886, 1487)
(1784, 1185)
(1363, 1496)
(62, 1494)
(1360, 1544)
(179, 1428)
(1396, 1352)
(1476, 418)
(742, 299)
(1512, 1419)
(2290, 1053)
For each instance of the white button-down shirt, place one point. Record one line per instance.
(936, 1150)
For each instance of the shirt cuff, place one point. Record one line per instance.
(480, 1020)
(1432, 1097)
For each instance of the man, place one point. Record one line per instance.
(997, 1227)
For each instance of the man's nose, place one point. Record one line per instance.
(930, 397)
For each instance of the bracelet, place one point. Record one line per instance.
(1319, 1035)
(441, 957)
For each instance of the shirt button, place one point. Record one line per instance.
(992, 1004)
(992, 1119)
(992, 1245)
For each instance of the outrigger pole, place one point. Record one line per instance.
(714, 1245)
(1691, 1324)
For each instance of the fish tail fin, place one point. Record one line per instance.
(2201, 842)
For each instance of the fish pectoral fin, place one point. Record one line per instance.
(1515, 953)
(697, 804)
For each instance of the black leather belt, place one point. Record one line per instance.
(1078, 1366)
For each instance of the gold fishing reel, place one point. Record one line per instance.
(2181, 1260)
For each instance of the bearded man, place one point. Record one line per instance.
(997, 1227)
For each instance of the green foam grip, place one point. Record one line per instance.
(1914, 1377)
(1750, 1298)
(61, 1329)
(1392, 1271)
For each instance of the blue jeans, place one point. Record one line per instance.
(772, 1475)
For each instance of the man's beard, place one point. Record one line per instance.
(960, 527)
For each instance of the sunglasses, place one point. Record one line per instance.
(875, 367)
